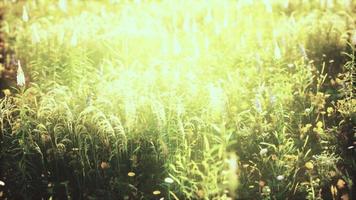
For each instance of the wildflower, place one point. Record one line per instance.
(232, 162)
(340, 184)
(45, 138)
(333, 190)
(319, 124)
(35, 35)
(177, 49)
(329, 110)
(186, 24)
(332, 173)
(303, 51)
(25, 17)
(2, 183)
(280, 177)
(200, 194)
(306, 128)
(338, 81)
(332, 82)
(277, 52)
(263, 151)
(258, 105)
(345, 197)
(20, 75)
(318, 128)
(208, 17)
(234, 109)
(353, 39)
(74, 40)
(156, 192)
(291, 157)
(307, 110)
(104, 165)
(266, 190)
(62, 4)
(273, 99)
(268, 6)
(168, 180)
(309, 165)
(131, 174)
(6, 92)
(274, 157)
(261, 183)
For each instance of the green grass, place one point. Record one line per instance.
(229, 99)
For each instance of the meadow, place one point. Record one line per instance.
(177, 99)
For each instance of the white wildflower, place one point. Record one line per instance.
(258, 105)
(263, 151)
(168, 180)
(268, 5)
(62, 4)
(25, 16)
(74, 40)
(20, 75)
(280, 177)
(353, 39)
(277, 52)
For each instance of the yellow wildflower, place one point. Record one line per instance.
(200, 194)
(309, 165)
(306, 128)
(6, 92)
(333, 191)
(156, 192)
(131, 174)
(329, 110)
(340, 184)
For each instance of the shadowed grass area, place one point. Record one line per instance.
(179, 100)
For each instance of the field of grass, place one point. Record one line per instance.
(178, 99)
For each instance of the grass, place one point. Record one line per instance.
(228, 100)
